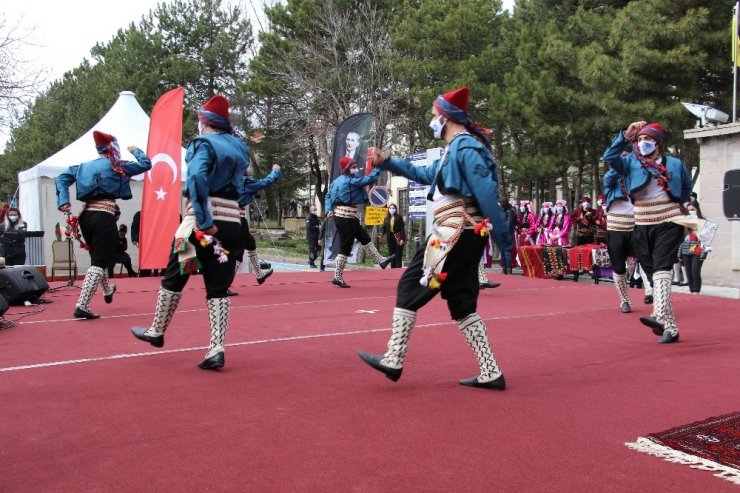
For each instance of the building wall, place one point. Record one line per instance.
(719, 153)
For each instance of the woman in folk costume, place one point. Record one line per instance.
(559, 231)
(209, 238)
(526, 223)
(584, 218)
(345, 193)
(600, 221)
(657, 185)
(99, 183)
(251, 187)
(620, 223)
(542, 226)
(464, 188)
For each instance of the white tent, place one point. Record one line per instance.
(37, 192)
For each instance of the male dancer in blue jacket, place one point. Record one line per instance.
(99, 183)
(464, 189)
(217, 161)
(620, 224)
(658, 186)
(345, 194)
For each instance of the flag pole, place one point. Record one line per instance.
(735, 61)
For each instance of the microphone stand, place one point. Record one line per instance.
(71, 280)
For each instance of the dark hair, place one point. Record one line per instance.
(695, 205)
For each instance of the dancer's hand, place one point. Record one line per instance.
(65, 208)
(131, 149)
(633, 129)
(211, 231)
(376, 156)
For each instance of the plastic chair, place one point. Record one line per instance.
(60, 251)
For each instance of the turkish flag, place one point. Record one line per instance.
(160, 204)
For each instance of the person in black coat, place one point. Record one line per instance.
(394, 228)
(121, 256)
(313, 228)
(13, 238)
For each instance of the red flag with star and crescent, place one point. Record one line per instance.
(160, 203)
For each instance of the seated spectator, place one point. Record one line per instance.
(121, 257)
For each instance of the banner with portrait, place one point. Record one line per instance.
(352, 139)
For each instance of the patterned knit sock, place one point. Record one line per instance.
(167, 302)
(620, 282)
(476, 334)
(89, 286)
(339, 269)
(398, 345)
(218, 316)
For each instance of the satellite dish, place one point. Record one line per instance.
(707, 113)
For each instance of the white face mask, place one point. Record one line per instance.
(646, 147)
(586, 205)
(558, 210)
(599, 202)
(354, 171)
(392, 210)
(522, 209)
(693, 214)
(436, 125)
(12, 219)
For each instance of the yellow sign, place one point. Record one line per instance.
(374, 216)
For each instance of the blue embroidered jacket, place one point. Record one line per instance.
(347, 190)
(637, 177)
(468, 169)
(216, 167)
(96, 179)
(252, 186)
(613, 187)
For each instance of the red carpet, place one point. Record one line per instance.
(86, 407)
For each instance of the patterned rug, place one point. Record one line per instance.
(711, 445)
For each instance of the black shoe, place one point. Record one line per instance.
(231, 293)
(265, 274)
(489, 284)
(498, 384)
(658, 328)
(80, 313)
(648, 299)
(339, 283)
(668, 338)
(139, 333)
(213, 363)
(313, 266)
(625, 308)
(385, 263)
(374, 361)
(109, 297)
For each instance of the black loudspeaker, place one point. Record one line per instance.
(21, 284)
(731, 195)
(3, 306)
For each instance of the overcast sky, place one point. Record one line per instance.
(61, 33)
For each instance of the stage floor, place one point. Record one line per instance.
(86, 407)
